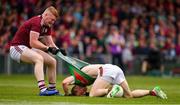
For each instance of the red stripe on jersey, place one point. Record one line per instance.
(80, 78)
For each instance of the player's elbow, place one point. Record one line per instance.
(64, 83)
(32, 44)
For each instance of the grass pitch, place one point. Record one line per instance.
(23, 90)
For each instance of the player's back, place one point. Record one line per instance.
(92, 69)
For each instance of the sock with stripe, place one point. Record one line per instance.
(52, 86)
(41, 85)
(152, 93)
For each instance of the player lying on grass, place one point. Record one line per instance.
(31, 44)
(105, 76)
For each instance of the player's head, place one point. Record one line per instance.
(49, 16)
(78, 90)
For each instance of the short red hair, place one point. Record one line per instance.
(53, 10)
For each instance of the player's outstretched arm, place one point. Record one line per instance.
(66, 83)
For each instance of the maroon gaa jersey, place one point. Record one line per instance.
(22, 36)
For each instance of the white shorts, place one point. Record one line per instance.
(16, 51)
(111, 73)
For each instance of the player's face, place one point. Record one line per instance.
(49, 19)
(80, 91)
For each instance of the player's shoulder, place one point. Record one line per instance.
(35, 19)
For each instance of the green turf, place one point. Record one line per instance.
(22, 89)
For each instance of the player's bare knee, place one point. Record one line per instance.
(128, 95)
(39, 59)
(52, 62)
(91, 95)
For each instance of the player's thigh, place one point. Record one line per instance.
(30, 56)
(127, 91)
(48, 59)
(99, 83)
